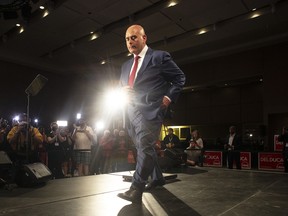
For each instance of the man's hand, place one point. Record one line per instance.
(129, 92)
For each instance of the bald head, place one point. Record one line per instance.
(135, 39)
(136, 28)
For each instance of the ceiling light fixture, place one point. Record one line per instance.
(46, 13)
(41, 7)
(103, 62)
(18, 25)
(202, 32)
(21, 30)
(254, 15)
(94, 36)
(172, 3)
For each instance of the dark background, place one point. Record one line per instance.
(253, 105)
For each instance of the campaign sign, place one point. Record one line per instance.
(213, 158)
(270, 161)
(245, 159)
(278, 146)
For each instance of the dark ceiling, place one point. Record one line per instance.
(192, 30)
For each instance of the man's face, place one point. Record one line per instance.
(232, 130)
(135, 39)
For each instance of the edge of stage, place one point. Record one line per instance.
(194, 192)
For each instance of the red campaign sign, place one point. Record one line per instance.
(213, 158)
(278, 146)
(245, 159)
(270, 161)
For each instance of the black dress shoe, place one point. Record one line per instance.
(151, 185)
(133, 195)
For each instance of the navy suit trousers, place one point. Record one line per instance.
(144, 133)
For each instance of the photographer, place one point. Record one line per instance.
(4, 129)
(55, 151)
(284, 138)
(24, 152)
(83, 137)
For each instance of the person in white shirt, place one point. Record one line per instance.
(194, 149)
(83, 137)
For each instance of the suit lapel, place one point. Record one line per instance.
(146, 60)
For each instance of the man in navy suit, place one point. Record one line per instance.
(152, 81)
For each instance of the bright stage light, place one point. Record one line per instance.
(99, 125)
(78, 116)
(16, 118)
(115, 99)
(62, 123)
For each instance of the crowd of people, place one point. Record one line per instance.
(82, 151)
(67, 152)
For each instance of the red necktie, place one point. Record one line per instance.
(133, 72)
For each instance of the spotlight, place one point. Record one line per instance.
(46, 13)
(254, 15)
(21, 30)
(94, 36)
(202, 32)
(116, 97)
(62, 123)
(99, 125)
(172, 3)
(16, 118)
(78, 116)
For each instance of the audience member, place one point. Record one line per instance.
(194, 150)
(42, 148)
(121, 152)
(24, 149)
(171, 140)
(67, 148)
(233, 147)
(284, 138)
(106, 148)
(4, 130)
(55, 151)
(83, 137)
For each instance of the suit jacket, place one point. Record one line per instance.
(237, 142)
(158, 76)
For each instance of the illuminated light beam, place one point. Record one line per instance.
(115, 99)
(62, 123)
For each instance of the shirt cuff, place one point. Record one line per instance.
(167, 98)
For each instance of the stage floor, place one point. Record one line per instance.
(196, 191)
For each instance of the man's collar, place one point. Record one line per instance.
(143, 52)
